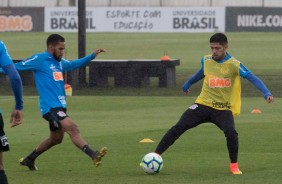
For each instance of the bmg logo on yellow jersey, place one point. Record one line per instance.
(219, 82)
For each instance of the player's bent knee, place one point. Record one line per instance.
(232, 135)
(56, 141)
(73, 130)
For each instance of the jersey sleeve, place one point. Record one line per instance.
(5, 58)
(194, 78)
(31, 63)
(77, 63)
(202, 62)
(243, 71)
(16, 84)
(258, 83)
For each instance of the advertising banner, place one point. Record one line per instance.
(21, 19)
(135, 19)
(253, 19)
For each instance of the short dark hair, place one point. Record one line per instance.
(53, 39)
(219, 38)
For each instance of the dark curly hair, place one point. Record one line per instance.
(219, 38)
(53, 39)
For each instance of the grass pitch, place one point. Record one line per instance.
(259, 52)
(120, 122)
(120, 117)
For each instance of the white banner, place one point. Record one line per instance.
(133, 19)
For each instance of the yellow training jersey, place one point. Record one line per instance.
(222, 85)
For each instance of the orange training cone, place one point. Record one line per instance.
(165, 58)
(256, 111)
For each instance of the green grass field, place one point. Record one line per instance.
(120, 122)
(259, 52)
(120, 117)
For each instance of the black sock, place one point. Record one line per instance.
(33, 155)
(3, 177)
(87, 150)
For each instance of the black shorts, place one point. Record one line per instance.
(4, 145)
(54, 116)
(198, 114)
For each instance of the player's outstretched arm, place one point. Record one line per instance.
(98, 51)
(81, 62)
(270, 99)
(257, 82)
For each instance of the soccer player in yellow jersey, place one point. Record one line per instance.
(219, 100)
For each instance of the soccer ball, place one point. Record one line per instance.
(152, 163)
